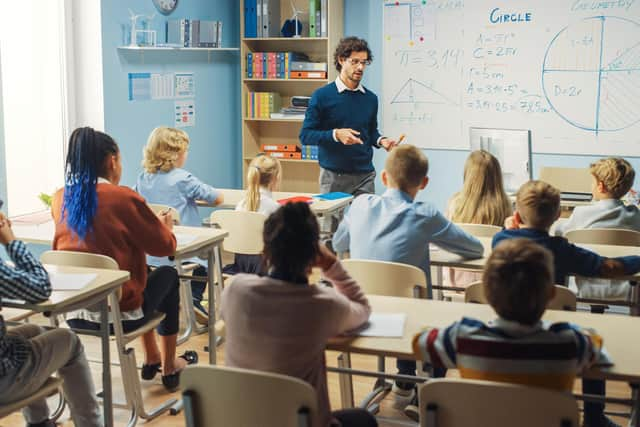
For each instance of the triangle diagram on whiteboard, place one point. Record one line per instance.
(415, 92)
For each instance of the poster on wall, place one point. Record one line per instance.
(184, 85)
(184, 113)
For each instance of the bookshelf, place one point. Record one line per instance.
(298, 175)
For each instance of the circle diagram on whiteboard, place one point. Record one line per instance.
(591, 73)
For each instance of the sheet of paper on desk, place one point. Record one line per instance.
(185, 239)
(70, 281)
(388, 325)
(604, 358)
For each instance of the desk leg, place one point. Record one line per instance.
(346, 381)
(214, 263)
(635, 298)
(635, 408)
(107, 401)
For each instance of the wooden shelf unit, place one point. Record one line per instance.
(298, 175)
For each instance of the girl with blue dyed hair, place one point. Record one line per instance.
(94, 214)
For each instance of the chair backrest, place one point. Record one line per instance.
(479, 230)
(220, 396)
(79, 259)
(157, 208)
(564, 299)
(245, 230)
(604, 236)
(573, 180)
(462, 403)
(391, 279)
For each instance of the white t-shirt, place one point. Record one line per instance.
(267, 204)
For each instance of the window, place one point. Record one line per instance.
(33, 61)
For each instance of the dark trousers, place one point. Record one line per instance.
(355, 417)
(594, 410)
(161, 294)
(198, 287)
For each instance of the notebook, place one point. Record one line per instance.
(332, 196)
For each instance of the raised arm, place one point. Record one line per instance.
(313, 132)
(28, 280)
(198, 190)
(452, 238)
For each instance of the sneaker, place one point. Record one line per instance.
(412, 411)
(603, 421)
(202, 314)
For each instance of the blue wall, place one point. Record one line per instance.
(363, 18)
(215, 151)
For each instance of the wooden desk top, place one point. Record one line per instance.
(320, 207)
(616, 331)
(104, 283)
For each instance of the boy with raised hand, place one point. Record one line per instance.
(518, 284)
(29, 354)
(395, 227)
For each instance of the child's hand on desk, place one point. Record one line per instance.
(167, 219)
(325, 258)
(6, 233)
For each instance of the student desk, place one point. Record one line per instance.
(421, 313)
(207, 243)
(96, 292)
(320, 207)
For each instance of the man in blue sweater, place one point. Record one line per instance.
(342, 121)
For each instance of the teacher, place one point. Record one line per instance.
(342, 120)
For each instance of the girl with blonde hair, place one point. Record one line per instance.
(165, 182)
(263, 177)
(482, 200)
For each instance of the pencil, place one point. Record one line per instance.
(401, 138)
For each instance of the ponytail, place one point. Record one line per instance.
(263, 172)
(85, 158)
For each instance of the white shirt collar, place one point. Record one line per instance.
(342, 87)
(102, 180)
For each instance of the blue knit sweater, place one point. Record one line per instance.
(330, 110)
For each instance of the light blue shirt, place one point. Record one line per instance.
(608, 213)
(179, 189)
(393, 227)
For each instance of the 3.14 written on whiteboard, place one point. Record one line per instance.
(568, 70)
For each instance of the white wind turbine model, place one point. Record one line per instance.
(134, 25)
(296, 12)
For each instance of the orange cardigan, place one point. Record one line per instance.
(124, 228)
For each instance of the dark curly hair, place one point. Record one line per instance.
(348, 45)
(290, 238)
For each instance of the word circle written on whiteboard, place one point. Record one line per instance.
(498, 16)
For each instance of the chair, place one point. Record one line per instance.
(51, 386)
(570, 180)
(245, 231)
(479, 230)
(128, 366)
(604, 236)
(463, 403)
(157, 208)
(217, 396)
(380, 278)
(564, 299)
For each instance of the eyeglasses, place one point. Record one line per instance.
(355, 62)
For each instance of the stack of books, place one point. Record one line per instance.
(282, 151)
(193, 33)
(262, 104)
(283, 65)
(262, 18)
(296, 113)
(310, 152)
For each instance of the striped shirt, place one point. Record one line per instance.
(27, 281)
(543, 355)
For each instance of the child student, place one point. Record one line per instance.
(518, 283)
(281, 323)
(29, 354)
(165, 182)
(612, 179)
(482, 200)
(263, 177)
(537, 207)
(394, 227)
(92, 213)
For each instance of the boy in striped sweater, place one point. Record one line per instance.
(517, 347)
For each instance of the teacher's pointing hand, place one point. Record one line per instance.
(348, 136)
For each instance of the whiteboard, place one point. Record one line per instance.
(568, 70)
